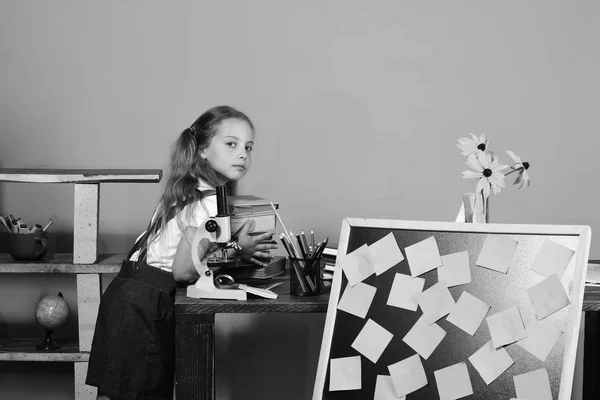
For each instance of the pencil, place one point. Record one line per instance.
(47, 225)
(301, 245)
(290, 236)
(280, 220)
(306, 248)
(312, 242)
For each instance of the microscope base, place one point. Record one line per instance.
(214, 293)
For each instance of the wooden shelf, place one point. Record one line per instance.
(24, 350)
(80, 175)
(62, 263)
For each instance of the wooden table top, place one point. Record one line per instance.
(287, 303)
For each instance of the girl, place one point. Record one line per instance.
(132, 354)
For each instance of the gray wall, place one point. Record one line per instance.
(358, 107)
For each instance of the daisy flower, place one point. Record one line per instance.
(520, 167)
(487, 169)
(468, 146)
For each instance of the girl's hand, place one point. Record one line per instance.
(255, 247)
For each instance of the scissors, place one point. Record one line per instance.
(225, 281)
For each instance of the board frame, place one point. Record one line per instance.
(576, 295)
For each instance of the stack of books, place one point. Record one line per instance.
(240, 209)
(248, 206)
(328, 264)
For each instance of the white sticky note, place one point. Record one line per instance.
(345, 374)
(408, 375)
(468, 313)
(357, 265)
(357, 300)
(386, 253)
(548, 296)
(384, 389)
(372, 340)
(435, 302)
(455, 269)
(534, 385)
(404, 292)
(497, 253)
(506, 327)
(453, 382)
(423, 256)
(541, 338)
(552, 258)
(490, 363)
(424, 338)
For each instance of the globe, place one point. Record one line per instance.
(51, 312)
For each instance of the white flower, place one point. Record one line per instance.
(522, 167)
(468, 146)
(487, 169)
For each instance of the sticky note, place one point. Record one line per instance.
(468, 313)
(386, 254)
(404, 292)
(552, 258)
(408, 375)
(455, 269)
(357, 265)
(548, 296)
(534, 385)
(453, 382)
(384, 389)
(541, 338)
(345, 374)
(497, 253)
(423, 256)
(435, 302)
(490, 363)
(357, 300)
(424, 338)
(372, 340)
(506, 327)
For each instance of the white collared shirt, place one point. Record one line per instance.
(161, 251)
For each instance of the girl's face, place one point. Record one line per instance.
(229, 152)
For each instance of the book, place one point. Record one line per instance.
(593, 274)
(249, 206)
(275, 267)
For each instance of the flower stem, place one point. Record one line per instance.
(514, 170)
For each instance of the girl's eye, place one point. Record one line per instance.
(249, 148)
(231, 144)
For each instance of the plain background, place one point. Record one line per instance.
(358, 107)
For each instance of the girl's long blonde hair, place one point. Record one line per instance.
(186, 167)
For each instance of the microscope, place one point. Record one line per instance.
(217, 230)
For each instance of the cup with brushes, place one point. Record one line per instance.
(27, 242)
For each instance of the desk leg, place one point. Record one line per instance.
(591, 358)
(195, 355)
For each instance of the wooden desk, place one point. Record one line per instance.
(195, 335)
(195, 332)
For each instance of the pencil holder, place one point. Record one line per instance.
(305, 276)
(28, 246)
